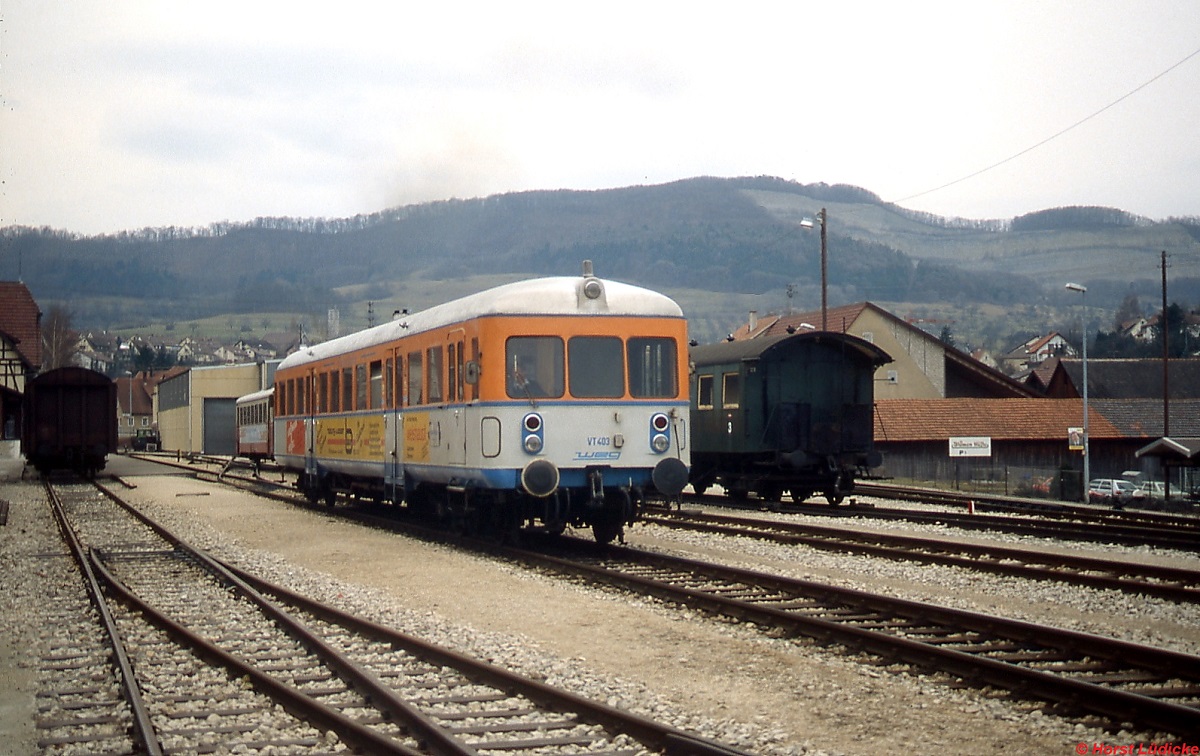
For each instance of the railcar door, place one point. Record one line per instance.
(455, 394)
(395, 391)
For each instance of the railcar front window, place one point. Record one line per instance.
(534, 367)
(596, 367)
(652, 368)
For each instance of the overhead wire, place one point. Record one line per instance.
(1056, 135)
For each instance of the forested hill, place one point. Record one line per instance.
(732, 236)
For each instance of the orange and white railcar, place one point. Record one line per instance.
(253, 415)
(542, 403)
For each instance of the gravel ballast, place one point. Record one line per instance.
(713, 677)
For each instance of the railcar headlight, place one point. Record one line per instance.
(660, 443)
(533, 433)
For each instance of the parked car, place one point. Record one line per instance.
(1151, 490)
(1111, 491)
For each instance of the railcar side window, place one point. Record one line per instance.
(335, 391)
(388, 386)
(347, 389)
(360, 385)
(704, 392)
(652, 368)
(302, 385)
(376, 373)
(435, 373)
(320, 403)
(596, 367)
(534, 367)
(414, 378)
(731, 391)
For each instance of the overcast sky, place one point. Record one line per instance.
(124, 114)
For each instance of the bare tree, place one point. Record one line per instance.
(58, 339)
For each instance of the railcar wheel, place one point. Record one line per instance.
(770, 494)
(800, 495)
(834, 497)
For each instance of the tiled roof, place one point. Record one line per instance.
(1001, 419)
(20, 320)
(1144, 417)
(837, 318)
(1135, 378)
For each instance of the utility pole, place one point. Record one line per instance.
(1166, 353)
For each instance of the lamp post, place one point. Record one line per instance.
(1087, 475)
(806, 224)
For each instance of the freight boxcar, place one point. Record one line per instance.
(70, 420)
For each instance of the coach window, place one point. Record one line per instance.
(731, 391)
(704, 392)
(335, 391)
(319, 402)
(651, 368)
(347, 389)
(534, 367)
(289, 394)
(414, 378)
(452, 369)
(302, 386)
(596, 367)
(435, 373)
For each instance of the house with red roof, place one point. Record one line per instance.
(20, 352)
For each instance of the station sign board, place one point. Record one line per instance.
(970, 446)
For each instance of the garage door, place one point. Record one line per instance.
(218, 426)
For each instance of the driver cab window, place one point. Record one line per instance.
(534, 367)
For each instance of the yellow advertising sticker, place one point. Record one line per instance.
(416, 437)
(351, 437)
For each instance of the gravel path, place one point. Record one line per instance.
(717, 678)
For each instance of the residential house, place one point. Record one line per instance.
(20, 358)
(1034, 351)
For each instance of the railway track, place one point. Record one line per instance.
(1175, 584)
(1115, 683)
(1124, 684)
(1183, 535)
(223, 658)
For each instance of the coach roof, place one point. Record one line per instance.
(559, 296)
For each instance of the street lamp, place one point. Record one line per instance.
(806, 224)
(1087, 476)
